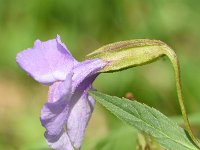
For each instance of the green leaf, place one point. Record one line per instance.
(166, 132)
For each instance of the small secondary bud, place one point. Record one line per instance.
(129, 95)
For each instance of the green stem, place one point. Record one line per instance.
(174, 60)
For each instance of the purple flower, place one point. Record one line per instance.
(69, 107)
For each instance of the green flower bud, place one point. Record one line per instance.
(126, 54)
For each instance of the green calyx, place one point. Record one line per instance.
(126, 54)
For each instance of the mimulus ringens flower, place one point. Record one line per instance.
(69, 107)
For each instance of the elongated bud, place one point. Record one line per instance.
(126, 54)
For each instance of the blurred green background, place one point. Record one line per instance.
(85, 26)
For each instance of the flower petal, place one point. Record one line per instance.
(78, 119)
(61, 89)
(84, 74)
(59, 142)
(46, 62)
(85, 69)
(53, 116)
(54, 113)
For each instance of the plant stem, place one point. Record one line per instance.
(174, 60)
